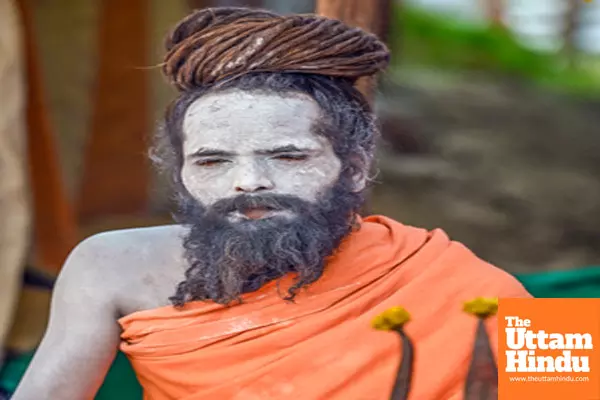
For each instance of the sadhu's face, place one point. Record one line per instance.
(266, 194)
(247, 143)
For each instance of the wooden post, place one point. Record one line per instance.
(370, 15)
(116, 174)
(55, 225)
(494, 10)
(571, 25)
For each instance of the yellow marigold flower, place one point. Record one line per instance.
(482, 307)
(391, 319)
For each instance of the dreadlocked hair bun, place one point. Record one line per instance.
(217, 44)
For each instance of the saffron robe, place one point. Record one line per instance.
(322, 346)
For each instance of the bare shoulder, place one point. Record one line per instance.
(127, 248)
(138, 267)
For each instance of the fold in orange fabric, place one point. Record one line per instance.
(322, 346)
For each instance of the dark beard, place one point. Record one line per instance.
(227, 259)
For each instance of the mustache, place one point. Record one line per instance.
(271, 202)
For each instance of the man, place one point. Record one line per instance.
(267, 287)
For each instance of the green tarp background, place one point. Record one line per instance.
(121, 383)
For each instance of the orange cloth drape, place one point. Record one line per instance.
(55, 228)
(322, 346)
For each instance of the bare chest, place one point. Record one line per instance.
(148, 284)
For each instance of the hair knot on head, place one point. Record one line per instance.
(216, 44)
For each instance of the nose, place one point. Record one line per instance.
(252, 178)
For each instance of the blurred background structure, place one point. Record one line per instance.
(490, 114)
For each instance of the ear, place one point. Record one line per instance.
(359, 178)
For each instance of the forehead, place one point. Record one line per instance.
(240, 120)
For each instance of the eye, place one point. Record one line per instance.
(291, 157)
(210, 162)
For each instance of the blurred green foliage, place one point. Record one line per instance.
(422, 38)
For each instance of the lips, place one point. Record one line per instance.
(256, 213)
